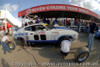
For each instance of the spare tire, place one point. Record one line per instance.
(11, 45)
(82, 54)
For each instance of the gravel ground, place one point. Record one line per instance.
(40, 55)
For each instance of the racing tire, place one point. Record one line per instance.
(11, 45)
(81, 54)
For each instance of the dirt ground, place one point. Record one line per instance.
(45, 55)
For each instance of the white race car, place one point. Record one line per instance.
(42, 33)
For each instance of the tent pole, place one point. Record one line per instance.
(5, 22)
(24, 34)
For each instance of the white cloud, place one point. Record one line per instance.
(76, 2)
(93, 5)
(98, 0)
(10, 7)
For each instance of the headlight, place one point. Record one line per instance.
(75, 37)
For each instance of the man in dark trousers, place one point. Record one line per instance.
(92, 34)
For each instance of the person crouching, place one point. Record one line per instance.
(65, 47)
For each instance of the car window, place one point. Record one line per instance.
(31, 28)
(39, 27)
(35, 28)
(28, 28)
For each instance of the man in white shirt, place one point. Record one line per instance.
(65, 47)
(3, 42)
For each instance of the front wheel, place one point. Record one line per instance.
(62, 39)
(11, 45)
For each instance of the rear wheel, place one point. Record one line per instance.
(82, 54)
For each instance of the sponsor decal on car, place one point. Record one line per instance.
(42, 32)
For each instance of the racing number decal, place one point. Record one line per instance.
(41, 35)
(42, 32)
(36, 37)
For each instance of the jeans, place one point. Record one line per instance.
(5, 47)
(91, 41)
(79, 29)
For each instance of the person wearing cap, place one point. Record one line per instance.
(91, 34)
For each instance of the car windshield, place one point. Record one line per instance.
(48, 27)
(39, 27)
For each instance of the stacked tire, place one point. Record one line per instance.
(82, 54)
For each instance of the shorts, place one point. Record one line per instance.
(63, 53)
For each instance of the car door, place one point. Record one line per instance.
(54, 34)
(30, 31)
(42, 33)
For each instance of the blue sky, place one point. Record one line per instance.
(14, 6)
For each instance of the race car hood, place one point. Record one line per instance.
(69, 31)
(63, 28)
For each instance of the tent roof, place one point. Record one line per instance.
(59, 10)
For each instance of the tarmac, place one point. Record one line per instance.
(45, 55)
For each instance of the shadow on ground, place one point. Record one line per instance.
(4, 63)
(48, 51)
(83, 37)
(54, 54)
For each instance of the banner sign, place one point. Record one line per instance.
(56, 7)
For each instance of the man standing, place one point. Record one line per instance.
(55, 21)
(48, 21)
(92, 34)
(51, 22)
(66, 22)
(79, 26)
(72, 22)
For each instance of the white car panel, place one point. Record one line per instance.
(44, 34)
